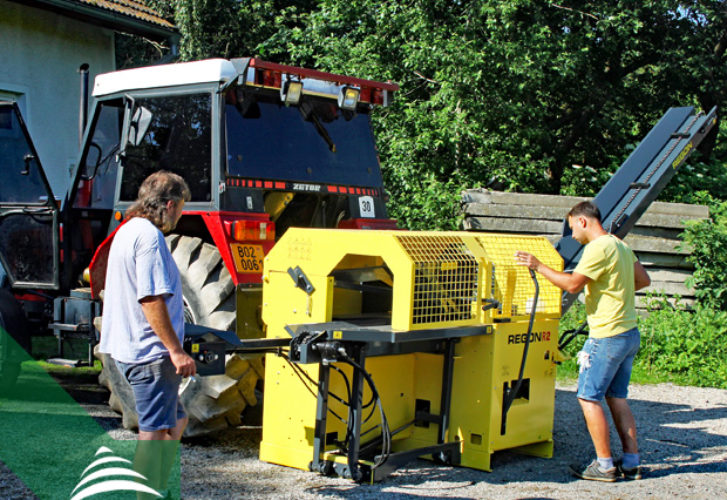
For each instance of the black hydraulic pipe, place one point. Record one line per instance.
(569, 335)
(83, 110)
(446, 397)
(509, 397)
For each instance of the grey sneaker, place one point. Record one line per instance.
(630, 474)
(593, 472)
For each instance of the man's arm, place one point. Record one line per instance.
(156, 313)
(570, 282)
(641, 278)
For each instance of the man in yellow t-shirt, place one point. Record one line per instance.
(611, 274)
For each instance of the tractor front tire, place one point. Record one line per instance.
(212, 402)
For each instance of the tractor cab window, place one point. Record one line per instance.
(312, 142)
(22, 181)
(179, 139)
(99, 164)
(28, 212)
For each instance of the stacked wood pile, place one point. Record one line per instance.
(655, 238)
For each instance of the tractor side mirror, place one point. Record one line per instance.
(139, 125)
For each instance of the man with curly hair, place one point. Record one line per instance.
(143, 319)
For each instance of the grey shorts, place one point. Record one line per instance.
(156, 391)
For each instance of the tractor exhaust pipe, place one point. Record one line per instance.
(83, 111)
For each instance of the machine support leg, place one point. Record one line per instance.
(319, 439)
(58, 318)
(447, 372)
(354, 415)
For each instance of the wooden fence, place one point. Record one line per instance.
(655, 238)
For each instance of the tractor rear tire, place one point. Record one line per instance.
(121, 399)
(212, 402)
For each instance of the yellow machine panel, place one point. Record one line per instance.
(510, 284)
(406, 344)
(437, 274)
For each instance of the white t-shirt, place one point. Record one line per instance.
(140, 265)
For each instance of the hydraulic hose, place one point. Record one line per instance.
(510, 394)
(569, 335)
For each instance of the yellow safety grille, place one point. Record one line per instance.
(445, 279)
(510, 284)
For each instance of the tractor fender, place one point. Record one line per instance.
(97, 268)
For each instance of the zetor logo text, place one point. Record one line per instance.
(521, 338)
(306, 187)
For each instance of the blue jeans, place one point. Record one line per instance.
(605, 366)
(156, 391)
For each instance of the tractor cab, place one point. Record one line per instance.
(263, 147)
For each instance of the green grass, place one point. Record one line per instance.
(47, 347)
(66, 371)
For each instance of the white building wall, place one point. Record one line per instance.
(40, 54)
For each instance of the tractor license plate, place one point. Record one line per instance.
(248, 258)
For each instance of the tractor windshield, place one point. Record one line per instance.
(313, 142)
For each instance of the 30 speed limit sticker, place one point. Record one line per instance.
(366, 206)
(248, 258)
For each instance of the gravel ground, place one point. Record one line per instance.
(683, 440)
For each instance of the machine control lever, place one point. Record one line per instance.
(301, 280)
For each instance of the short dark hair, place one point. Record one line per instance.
(154, 193)
(585, 209)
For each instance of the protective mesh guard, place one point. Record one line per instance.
(510, 284)
(445, 279)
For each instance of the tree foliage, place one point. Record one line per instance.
(528, 95)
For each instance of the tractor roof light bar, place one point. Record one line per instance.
(265, 74)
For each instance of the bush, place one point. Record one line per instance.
(677, 345)
(685, 347)
(708, 239)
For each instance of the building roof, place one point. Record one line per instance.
(120, 15)
(130, 8)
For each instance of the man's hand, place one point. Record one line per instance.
(156, 313)
(527, 259)
(570, 282)
(184, 363)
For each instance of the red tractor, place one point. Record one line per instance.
(263, 147)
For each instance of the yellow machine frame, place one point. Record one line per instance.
(437, 321)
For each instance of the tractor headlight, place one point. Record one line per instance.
(348, 98)
(290, 92)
